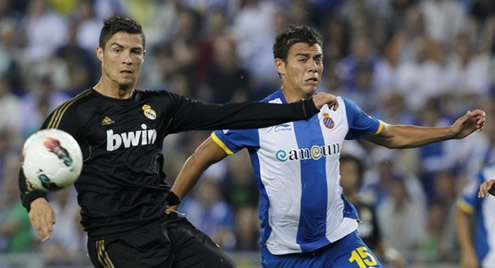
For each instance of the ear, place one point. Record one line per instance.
(280, 66)
(99, 53)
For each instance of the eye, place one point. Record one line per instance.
(302, 60)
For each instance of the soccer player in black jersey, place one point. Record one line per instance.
(121, 189)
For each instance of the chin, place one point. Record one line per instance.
(310, 90)
(123, 86)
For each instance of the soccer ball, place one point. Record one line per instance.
(52, 160)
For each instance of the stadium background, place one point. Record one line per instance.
(403, 61)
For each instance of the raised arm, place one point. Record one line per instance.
(192, 115)
(409, 136)
(205, 155)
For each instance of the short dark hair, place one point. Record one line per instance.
(292, 35)
(117, 24)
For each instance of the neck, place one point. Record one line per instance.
(293, 95)
(113, 90)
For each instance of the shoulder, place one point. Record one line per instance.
(68, 110)
(73, 103)
(160, 95)
(77, 100)
(143, 92)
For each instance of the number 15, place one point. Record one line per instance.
(362, 257)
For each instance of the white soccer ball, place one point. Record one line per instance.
(52, 159)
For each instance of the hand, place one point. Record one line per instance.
(323, 98)
(470, 122)
(486, 188)
(171, 209)
(42, 218)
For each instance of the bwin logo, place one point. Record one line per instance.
(315, 152)
(131, 138)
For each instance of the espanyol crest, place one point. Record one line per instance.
(328, 121)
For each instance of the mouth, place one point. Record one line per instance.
(312, 80)
(127, 72)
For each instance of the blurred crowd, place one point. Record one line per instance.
(403, 61)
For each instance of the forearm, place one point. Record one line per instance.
(205, 155)
(188, 177)
(199, 116)
(462, 230)
(27, 192)
(408, 136)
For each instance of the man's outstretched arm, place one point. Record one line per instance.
(205, 155)
(409, 136)
(192, 115)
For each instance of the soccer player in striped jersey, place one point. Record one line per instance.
(305, 219)
(478, 251)
(120, 129)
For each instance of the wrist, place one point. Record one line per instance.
(451, 133)
(28, 200)
(38, 201)
(173, 199)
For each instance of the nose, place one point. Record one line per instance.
(127, 59)
(313, 66)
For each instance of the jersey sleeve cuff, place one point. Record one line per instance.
(30, 197)
(380, 127)
(172, 199)
(221, 144)
(465, 207)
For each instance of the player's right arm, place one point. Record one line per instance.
(205, 155)
(41, 214)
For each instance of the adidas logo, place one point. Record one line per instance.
(107, 121)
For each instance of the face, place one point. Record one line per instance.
(122, 59)
(301, 71)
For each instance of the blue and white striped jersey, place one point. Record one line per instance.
(296, 165)
(484, 240)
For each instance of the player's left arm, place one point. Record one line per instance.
(410, 136)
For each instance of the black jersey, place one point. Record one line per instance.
(369, 230)
(122, 183)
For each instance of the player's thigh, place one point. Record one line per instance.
(193, 248)
(351, 251)
(146, 247)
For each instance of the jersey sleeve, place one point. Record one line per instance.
(231, 141)
(65, 118)
(360, 123)
(194, 115)
(469, 197)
